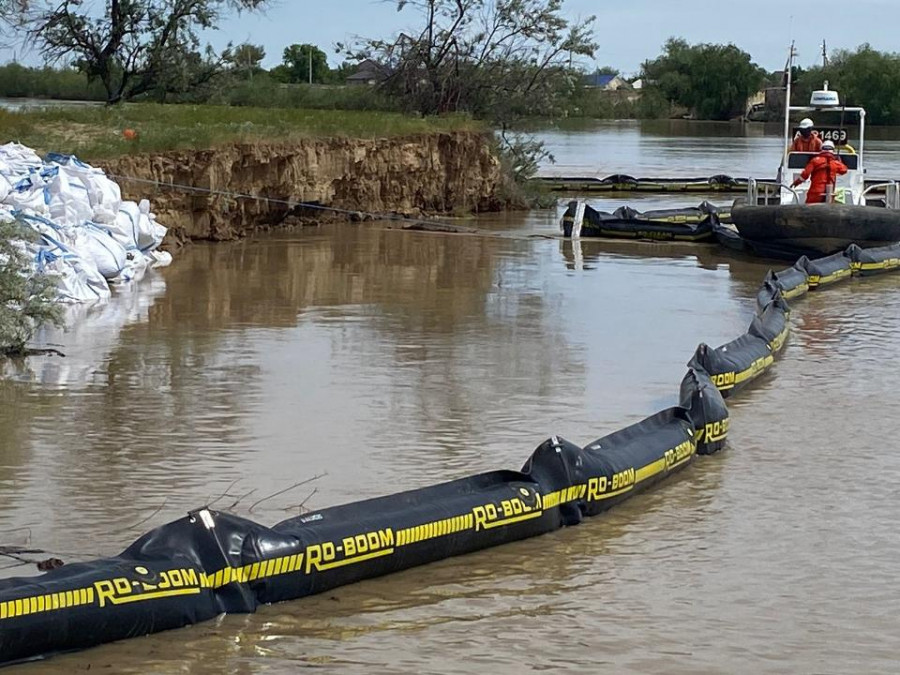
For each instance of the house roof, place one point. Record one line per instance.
(599, 80)
(368, 70)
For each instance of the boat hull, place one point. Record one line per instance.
(814, 230)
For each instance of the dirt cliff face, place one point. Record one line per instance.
(433, 173)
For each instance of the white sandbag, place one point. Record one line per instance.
(128, 220)
(28, 193)
(17, 186)
(134, 269)
(104, 195)
(47, 229)
(18, 158)
(87, 235)
(67, 197)
(150, 233)
(77, 279)
(92, 243)
(105, 199)
(124, 227)
(159, 258)
(137, 218)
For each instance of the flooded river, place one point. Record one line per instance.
(384, 360)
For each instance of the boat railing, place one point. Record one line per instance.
(794, 194)
(891, 193)
(761, 194)
(752, 191)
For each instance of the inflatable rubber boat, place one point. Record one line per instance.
(778, 221)
(814, 230)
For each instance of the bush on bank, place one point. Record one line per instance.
(26, 299)
(18, 81)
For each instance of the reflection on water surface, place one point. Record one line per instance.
(389, 360)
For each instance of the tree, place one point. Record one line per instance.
(296, 62)
(188, 75)
(496, 59)
(26, 299)
(134, 43)
(864, 77)
(870, 79)
(340, 74)
(11, 10)
(713, 81)
(245, 59)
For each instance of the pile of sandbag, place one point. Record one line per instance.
(88, 236)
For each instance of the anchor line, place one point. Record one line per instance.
(290, 203)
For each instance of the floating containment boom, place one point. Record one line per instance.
(208, 563)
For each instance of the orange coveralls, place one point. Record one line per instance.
(811, 144)
(823, 170)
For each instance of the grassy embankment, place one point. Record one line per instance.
(95, 132)
(262, 91)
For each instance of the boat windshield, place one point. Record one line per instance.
(799, 160)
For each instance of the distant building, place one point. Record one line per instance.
(605, 82)
(367, 73)
(766, 105)
(637, 84)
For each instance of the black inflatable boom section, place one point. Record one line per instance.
(688, 224)
(209, 563)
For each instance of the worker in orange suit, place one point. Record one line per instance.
(822, 172)
(806, 139)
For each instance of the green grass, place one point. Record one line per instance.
(94, 132)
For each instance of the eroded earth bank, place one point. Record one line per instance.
(436, 173)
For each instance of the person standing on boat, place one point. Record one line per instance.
(822, 172)
(806, 140)
(844, 147)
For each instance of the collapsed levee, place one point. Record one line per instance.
(433, 173)
(209, 563)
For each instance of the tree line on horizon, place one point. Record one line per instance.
(498, 60)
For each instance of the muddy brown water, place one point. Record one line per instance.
(389, 360)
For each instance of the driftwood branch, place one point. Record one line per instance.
(302, 504)
(287, 489)
(142, 521)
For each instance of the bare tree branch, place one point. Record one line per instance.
(287, 489)
(137, 46)
(495, 59)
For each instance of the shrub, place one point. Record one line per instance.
(26, 299)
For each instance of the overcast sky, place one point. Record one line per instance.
(628, 31)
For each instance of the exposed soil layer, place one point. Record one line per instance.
(424, 174)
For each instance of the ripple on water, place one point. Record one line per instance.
(392, 360)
